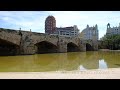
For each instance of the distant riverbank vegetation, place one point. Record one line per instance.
(111, 42)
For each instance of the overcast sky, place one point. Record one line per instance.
(35, 20)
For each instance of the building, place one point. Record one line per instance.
(50, 25)
(67, 31)
(90, 33)
(112, 31)
(50, 28)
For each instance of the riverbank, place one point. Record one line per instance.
(108, 50)
(112, 73)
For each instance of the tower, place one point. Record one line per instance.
(50, 25)
(108, 25)
(108, 29)
(87, 26)
(96, 26)
(97, 32)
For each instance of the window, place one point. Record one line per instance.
(60, 33)
(67, 32)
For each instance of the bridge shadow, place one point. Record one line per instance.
(46, 47)
(71, 47)
(8, 48)
(89, 47)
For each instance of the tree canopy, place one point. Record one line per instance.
(110, 42)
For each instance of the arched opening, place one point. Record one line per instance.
(71, 47)
(89, 47)
(46, 47)
(8, 48)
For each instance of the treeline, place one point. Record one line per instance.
(110, 42)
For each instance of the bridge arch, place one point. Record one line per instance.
(89, 47)
(72, 47)
(45, 47)
(8, 48)
(10, 37)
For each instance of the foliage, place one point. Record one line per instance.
(110, 42)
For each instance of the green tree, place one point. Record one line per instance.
(110, 42)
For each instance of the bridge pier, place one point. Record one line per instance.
(17, 50)
(82, 46)
(95, 45)
(62, 47)
(27, 46)
(28, 50)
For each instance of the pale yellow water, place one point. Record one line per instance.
(60, 61)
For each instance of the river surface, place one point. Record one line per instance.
(60, 61)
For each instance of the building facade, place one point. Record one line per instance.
(67, 31)
(50, 28)
(112, 31)
(50, 25)
(90, 33)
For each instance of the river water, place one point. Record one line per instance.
(60, 61)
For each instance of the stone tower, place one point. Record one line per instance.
(108, 28)
(108, 25)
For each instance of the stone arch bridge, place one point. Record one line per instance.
(25, 42)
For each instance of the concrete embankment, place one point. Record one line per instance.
(112, 73)
(108, 50)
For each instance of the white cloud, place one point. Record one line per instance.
(35, 20)
(6, 18)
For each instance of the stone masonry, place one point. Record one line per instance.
(27, 40)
